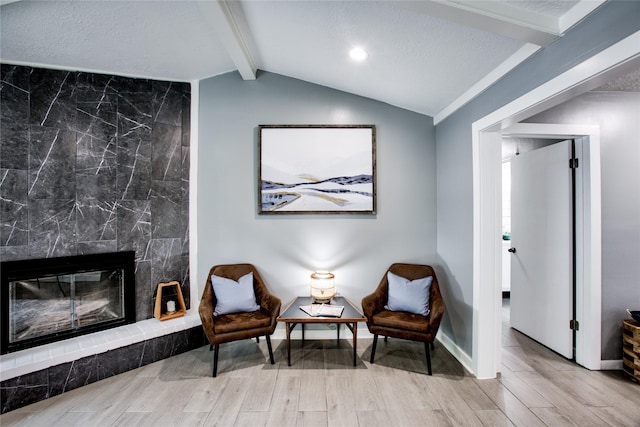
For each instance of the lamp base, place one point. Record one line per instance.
(321, 300)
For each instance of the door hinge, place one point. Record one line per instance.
(574, 325)
(573, 163)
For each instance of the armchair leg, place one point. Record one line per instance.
(426, 349)
(373, 347)
(269, 347)
(215, 360)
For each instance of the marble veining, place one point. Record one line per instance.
(134, 167)
(168, 98)
(166, 261)
(14, 144)
(167, 152)
(52, 227)
(52, 103)
(52, 160)
(96, 137)
(14, 98)
(52, 98)
(96, 220)
(13, 205)
(92, 162)
(134, 227)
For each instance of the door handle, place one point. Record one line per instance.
(512, 250)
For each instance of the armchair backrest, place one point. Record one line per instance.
(235, 272)
(412, 272)
(235, 326)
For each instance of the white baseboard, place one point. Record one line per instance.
(455, 351)
(611, 365)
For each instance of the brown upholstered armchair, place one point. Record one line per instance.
(402, 324)
(237, 326)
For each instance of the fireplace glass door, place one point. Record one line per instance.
(53, 299)
(52, 304)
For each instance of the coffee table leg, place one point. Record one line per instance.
(338, 329)
(288, 343)
(355, 341)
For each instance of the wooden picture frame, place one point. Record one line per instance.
(317, 169)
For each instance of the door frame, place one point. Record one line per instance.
(618, 59)
(588, 294)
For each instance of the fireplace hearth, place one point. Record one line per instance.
(53, 299)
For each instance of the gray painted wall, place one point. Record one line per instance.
(618, 115)
(613, 21)
(287, 248)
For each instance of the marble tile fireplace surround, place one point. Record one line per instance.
(93, 163)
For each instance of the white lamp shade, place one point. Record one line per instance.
(322, 286)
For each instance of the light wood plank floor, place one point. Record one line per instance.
(322, 388)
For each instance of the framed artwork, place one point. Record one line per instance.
(317, 169)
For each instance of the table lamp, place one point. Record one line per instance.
(322, 286)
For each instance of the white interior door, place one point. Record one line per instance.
(541, 233)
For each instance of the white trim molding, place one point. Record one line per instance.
(611, 365)
(618, 58)
(455, 351)
(194, 283)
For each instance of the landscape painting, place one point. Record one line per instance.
(316, 169)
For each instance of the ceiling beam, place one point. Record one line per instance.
(234, 38)
(494, 17)
(577, 13)
(481, 85)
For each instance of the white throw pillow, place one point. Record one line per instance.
(409, 295)
(232, 296)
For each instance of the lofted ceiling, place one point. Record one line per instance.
(427, 56)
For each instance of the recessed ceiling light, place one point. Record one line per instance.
(358, 54)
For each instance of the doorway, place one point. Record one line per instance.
(542, 227)
(588, 258)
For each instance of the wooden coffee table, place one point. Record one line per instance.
(293, 315)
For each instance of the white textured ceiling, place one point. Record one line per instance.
(625, 83)
(425, 56)
(545, 7)
(157, 39)
(415, 61)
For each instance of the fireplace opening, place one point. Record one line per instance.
(53, 299)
